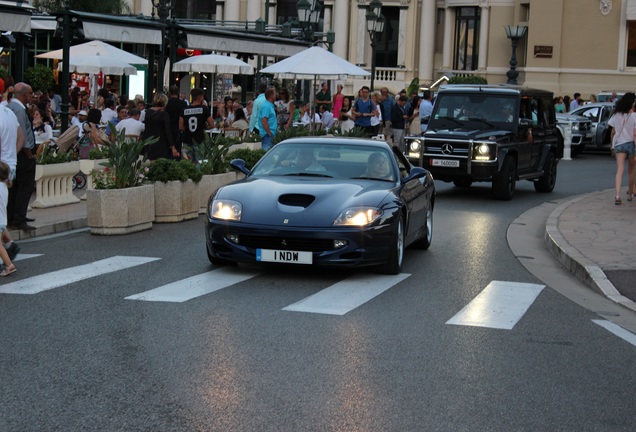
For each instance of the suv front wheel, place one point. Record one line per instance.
(504, 184)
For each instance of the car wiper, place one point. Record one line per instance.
(308, 174)
(454, 120)
(486, 122)
(371, 178)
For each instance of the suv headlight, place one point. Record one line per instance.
(484, 152)
(575, 127)
(415, 146)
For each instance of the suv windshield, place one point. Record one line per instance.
(482, 111)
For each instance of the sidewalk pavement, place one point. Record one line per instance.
(589, 235)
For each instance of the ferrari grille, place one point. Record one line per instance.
(286, 243)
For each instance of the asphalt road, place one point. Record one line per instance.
(82, 357)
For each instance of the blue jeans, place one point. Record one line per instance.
(266, 143)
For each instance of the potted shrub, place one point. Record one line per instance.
(121, 203)
(97, 157)
(176, 189)
(54, 173)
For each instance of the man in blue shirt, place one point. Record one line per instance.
(267, 124)
(254, 119)
(426, 109)
(364, 109)
(387, 103)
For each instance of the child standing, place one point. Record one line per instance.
(4, 197)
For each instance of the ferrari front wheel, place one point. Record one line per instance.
(394, 265)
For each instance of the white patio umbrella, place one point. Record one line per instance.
(213, 63)
(97, 47)
(315, 63)
(96, 64)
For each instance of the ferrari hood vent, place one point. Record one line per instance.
(296, 200)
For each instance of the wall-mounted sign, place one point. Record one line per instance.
(542, 51)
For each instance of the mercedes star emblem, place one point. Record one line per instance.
(447, 149)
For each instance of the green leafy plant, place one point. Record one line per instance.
(3, 72)
(253, 137)
(125, 167)
(103, 152)
(49, 155)
(414, 87)
(248, 155)
(165, 170)
(211, 154)
(356, 132)
(470, 79)
(40, 77)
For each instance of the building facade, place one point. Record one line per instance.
(570, 46)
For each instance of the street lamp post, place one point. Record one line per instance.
(308, 16)
(165, 9)
(515, 34)
(375, 27)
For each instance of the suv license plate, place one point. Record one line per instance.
(445, 163)
(284, 256)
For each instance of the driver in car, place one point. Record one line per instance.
(305, 161)
(378, 166)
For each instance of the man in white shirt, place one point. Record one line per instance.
(132, 124)
(11, 142)
(109, 114)
(576, 102)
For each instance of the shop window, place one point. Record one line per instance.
(631, 44)
(466, 38)
(196, 9)
(387, 48)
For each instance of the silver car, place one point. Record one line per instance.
(599, 113)
(582, 135)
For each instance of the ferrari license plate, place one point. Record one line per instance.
(284, 256)
(445, 163)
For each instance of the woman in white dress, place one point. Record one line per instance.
(376, 120)
(346, 116)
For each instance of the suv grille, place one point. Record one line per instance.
(446, 148)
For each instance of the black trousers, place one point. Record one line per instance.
(21, 190)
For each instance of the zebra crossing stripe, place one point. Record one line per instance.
(22, 256)
(346, 295)
(47, 281)
(500, 305)
(195, 286)
(617, 330)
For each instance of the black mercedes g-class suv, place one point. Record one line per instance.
(490, 133)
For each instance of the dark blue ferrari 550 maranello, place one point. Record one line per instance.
(323, 201)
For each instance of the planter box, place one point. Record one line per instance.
(88, 165)
(54, 184)
(120, 211)
(176, 201)
(209, 184)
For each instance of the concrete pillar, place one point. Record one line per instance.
(219, 10)
(254, 10)
(232, 10)
(447, 50)
(427, 40)
(363, 39)
(341, 26)
(484, 26)
(401, 55)
(272, 13)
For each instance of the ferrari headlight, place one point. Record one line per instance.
(357, 216)
(226, 209)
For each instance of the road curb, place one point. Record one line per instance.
(54, 228)
(575, 262)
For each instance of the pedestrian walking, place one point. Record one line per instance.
(623, 124)
(5, 171)
(24, 184)
(267, 124)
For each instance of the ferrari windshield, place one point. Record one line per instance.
(328, 161)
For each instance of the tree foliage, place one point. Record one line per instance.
(102, 6)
